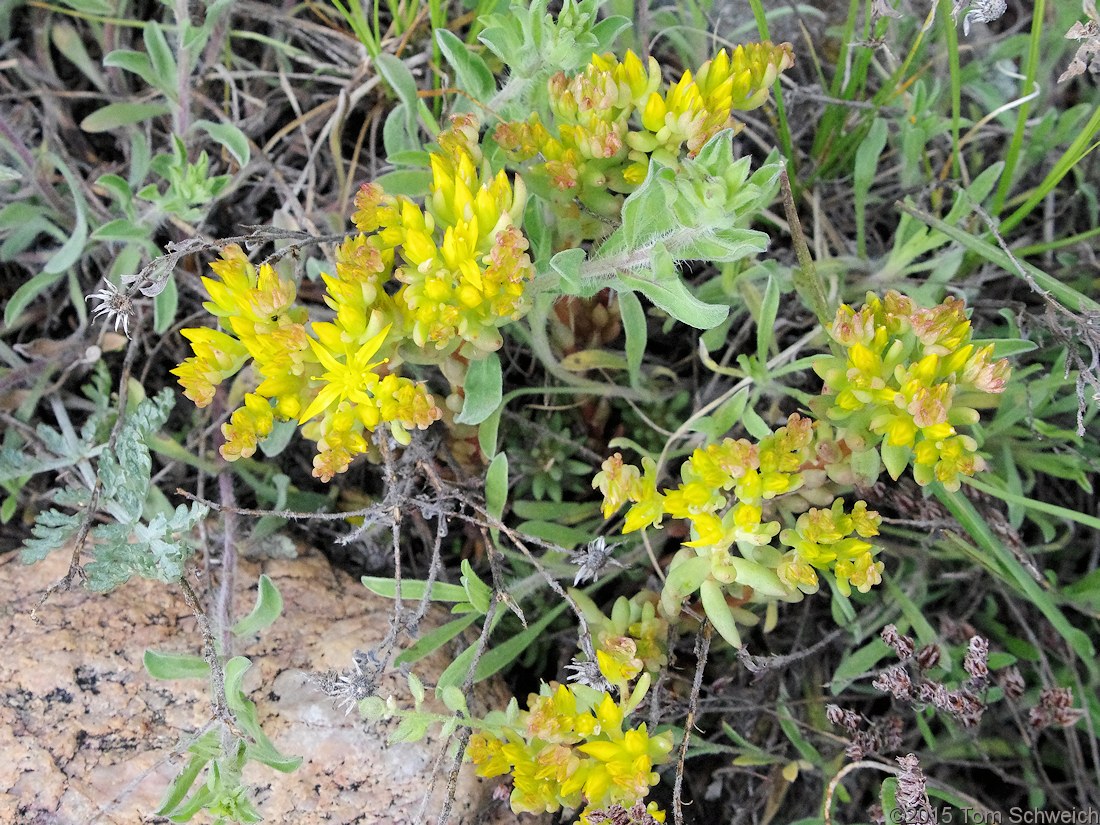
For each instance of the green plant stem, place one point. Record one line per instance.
(540, 342)
(782, 358)
(596, 271)
(19, 148)
(357, 20)
(897, 84)
(1031, 68)
(1064, 294)
(437, 17)
(999, 559)
(183, 69)
(807, 281)
(1034, 504)
(835, 114)
(210, 654)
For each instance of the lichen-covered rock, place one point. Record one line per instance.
(88, 737)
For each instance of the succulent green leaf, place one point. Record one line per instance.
(496, 485)
(895, 457)
(434, 640)
(718, 611)
(480, 594)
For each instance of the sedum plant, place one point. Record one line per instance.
(616, 176)
(570, 749)
(904, 378)
(907, 379)
(612, 119)
(554, 216)
(437, 282)
(460, 266)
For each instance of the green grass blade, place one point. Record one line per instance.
(1031, 68)
(1017, 576)
(1033, 504)
(1061, 292)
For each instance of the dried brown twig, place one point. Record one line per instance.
(702, 648)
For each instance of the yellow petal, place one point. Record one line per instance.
(367, 351)
(325, 357)
(325, 398)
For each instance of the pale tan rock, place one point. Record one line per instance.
(88, 737)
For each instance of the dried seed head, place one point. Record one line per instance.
(1055, 709)
(843, 718)
(591, 559)
(115, 304)
(1056, 698)
(928, 657)
(912, 795)
(587, 674)
(966, 707)
(926, 693)
(981, 11)
(618, 815)
(903, 645)
(881, 8)
(895, 681)
(348, 687)
(941, 697)
(890, 732)
(976, 661)
(954, 702)
(862, 744)
(1011, 681)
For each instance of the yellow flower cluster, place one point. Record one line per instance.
(824, 538)
(753, 473)
(463, 261)
(334, 384)
(569, 749)
(462, 267)
(612, 118)
(908, 378)
(724, 493)
(696, 108)
(257, 311)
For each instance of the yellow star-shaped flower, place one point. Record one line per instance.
(352, 380)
